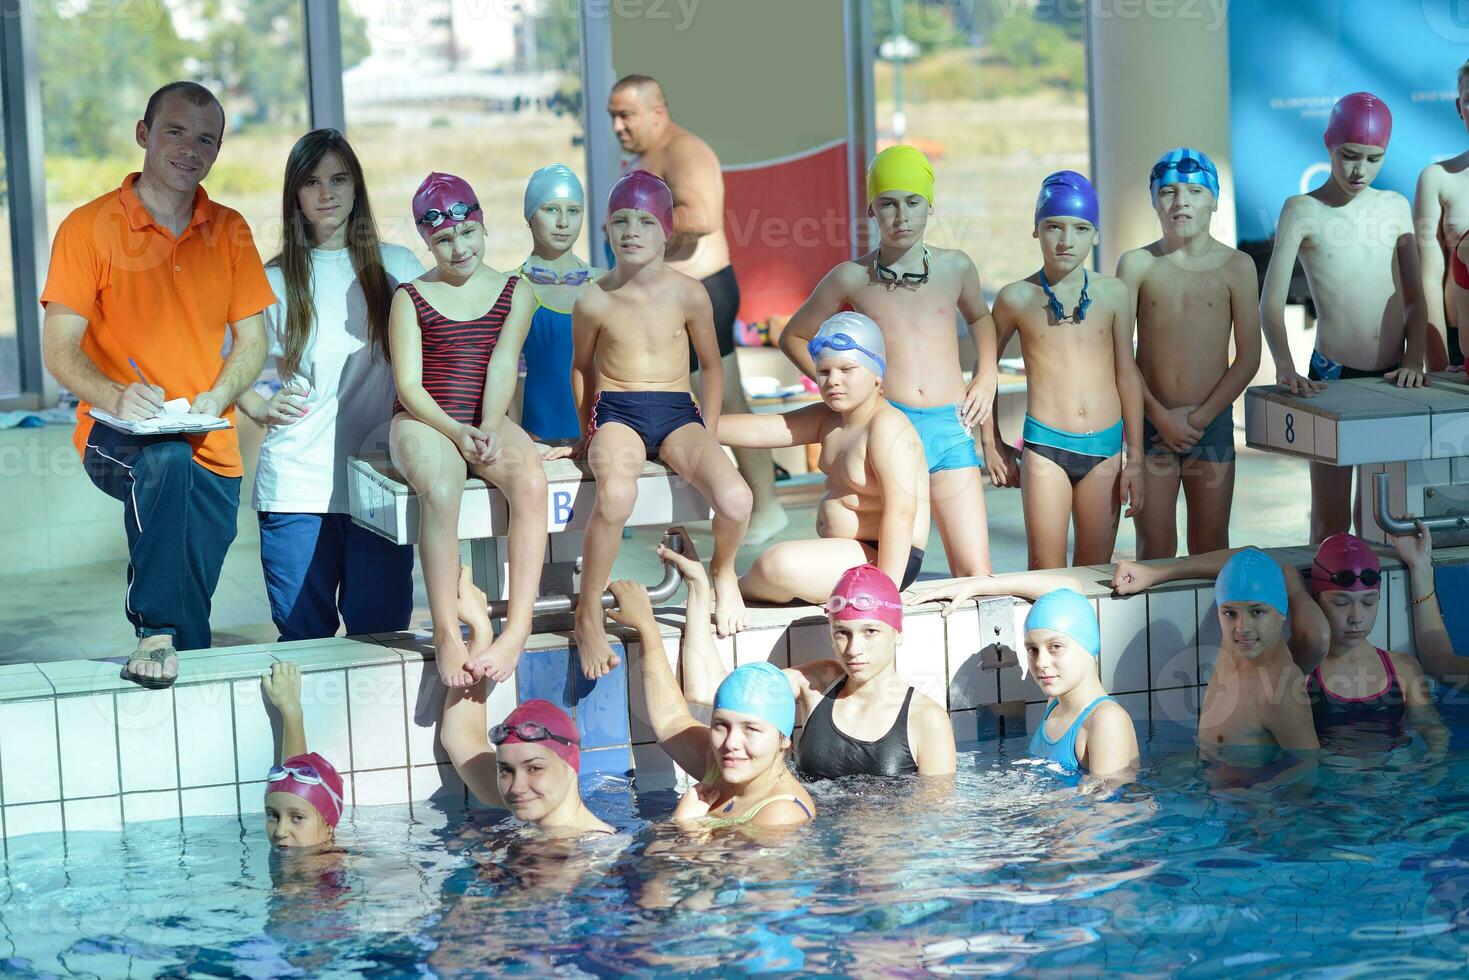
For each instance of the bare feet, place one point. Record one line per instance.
(474, 612)
(596, 654)
(729, 606)
(451, 655)
(765, 523)
(154, 664)
(499, 660)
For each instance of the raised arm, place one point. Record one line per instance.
(825, 302)
(774, 430)
(1430, 635)
(463, 734)
(679, 734)
(1022, 585)
(1427, 222)
(979, 397)
(703, 668)
(897, 461)
(1310, 634)
(1288, 236)
(283, 689)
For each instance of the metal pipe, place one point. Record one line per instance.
(1402, 526)
(552, 605)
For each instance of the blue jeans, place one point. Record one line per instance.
(318, 566)
(180, 521)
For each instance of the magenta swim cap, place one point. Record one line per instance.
(1345, 556)
(865, 592)
(443, 201)
(539, 722)
(311, 778)
(643, 191)
(1359, 118)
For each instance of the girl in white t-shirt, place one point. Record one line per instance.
(328, 334)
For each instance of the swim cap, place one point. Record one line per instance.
(643, 191)
(866, 585)
(1344, 553)
(1067, 194)
(1359, 118)
(552, 183)
(553, 720)
(1183, 165)
(759, 689)
(900, 168)
(1069, 613)
(439, 193)
(854, 335)
(313, 779)
(1250, 575)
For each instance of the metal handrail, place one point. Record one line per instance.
(1402, 526)
(552, 605)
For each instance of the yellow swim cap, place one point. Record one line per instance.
(900, 168)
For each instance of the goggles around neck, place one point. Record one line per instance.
(841, 342)
(434, 217)
(528, 731)
(542, 276)
(302, 774)
(1345, 578)
(861, 603)
(885, 274)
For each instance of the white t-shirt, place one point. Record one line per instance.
(303, 466)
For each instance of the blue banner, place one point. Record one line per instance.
(1290, 61)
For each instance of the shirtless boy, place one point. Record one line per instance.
(911, 290)
(1356, 245)
(1441, 217)
(1257, 694)
(1084, 390)
(1189, 291)
(875, 508)
(630, 377)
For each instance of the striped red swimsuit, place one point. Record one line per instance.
(456, 354)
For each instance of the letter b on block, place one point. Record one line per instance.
(560, 509)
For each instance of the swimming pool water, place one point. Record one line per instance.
(1358, 868)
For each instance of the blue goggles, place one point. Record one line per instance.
(842, 342)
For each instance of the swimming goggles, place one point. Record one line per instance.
(302, 774)
(1187, 165)
(861, 603)
(1083, 302)
(884, 274)
(527, 731)
(550, 277)
(434, 217)
(841, 342)
(1346, 578)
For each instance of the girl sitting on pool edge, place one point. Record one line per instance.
(741, 757)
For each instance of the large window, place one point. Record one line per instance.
(488, 91)
(101, 59)
(997, 98)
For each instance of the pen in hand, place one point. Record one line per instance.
(142, 405)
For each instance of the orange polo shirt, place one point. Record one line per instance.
(163, 301)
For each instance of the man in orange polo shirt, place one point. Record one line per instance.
(142, 284)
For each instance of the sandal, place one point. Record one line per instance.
(157, 655)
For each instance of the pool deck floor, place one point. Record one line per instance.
(78, 614)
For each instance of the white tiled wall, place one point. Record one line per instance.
(89, 759)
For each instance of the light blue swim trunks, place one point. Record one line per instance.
(947, 444)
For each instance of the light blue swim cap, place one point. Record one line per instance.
(759, 689)
(1250, 575)
(854, 335)
(1069, 613)
(1184, 165)
(552, 183)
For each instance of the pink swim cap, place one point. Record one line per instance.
(1345, 555)
(1359, 118)
(865, 592)
(547, 716)
(435, 200)
(313, 779)
(645, 192)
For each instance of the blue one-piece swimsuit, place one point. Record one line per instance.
(549, 411)
(1062, 751)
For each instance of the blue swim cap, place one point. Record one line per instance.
(1069, 613)
(1067, 194)
(1183, 165)
(759, 689)
(552, 183)
(1252, 576)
